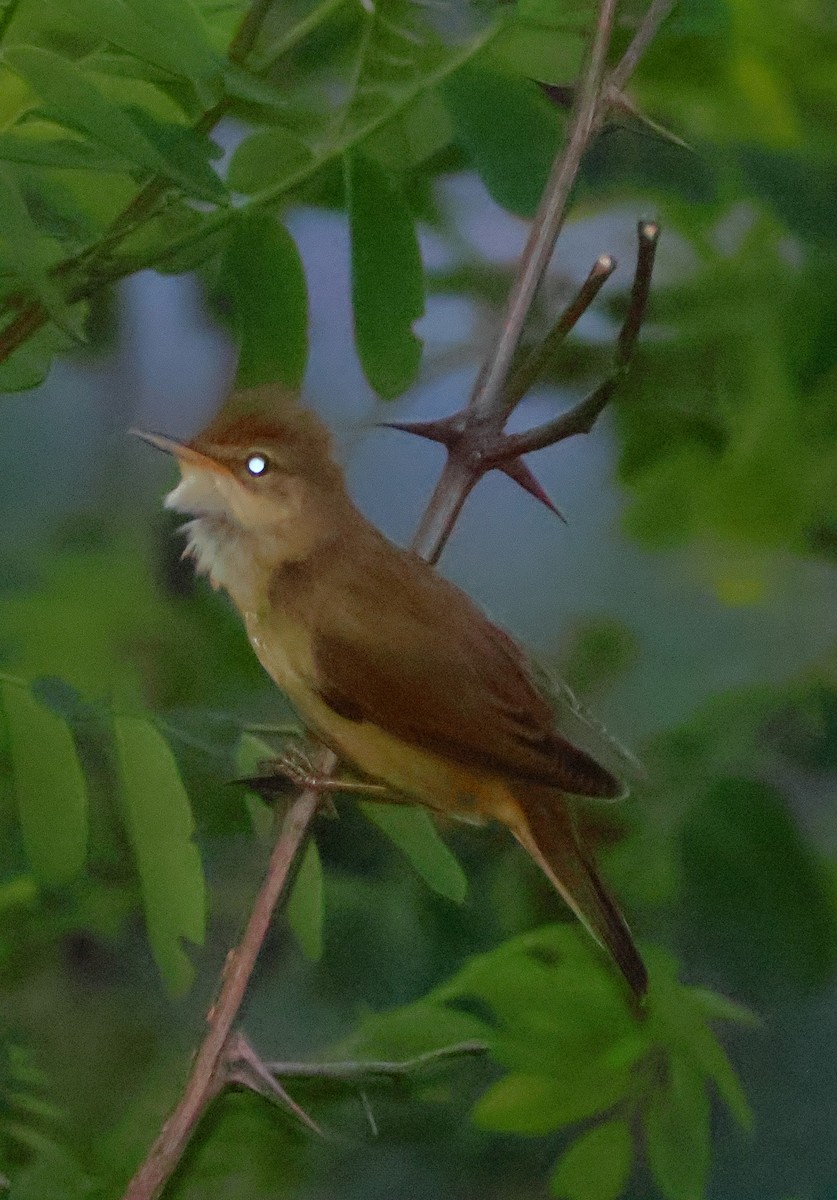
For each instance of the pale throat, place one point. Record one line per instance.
(233, 555)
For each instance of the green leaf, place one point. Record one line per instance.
(261, 273)
(545, 40)
(24, 250)
(800, 188)
(596, 1166)
(186, 152)
(677, 1130)
(306, 904)
(49, 787)
(246, 86)
(22, 892)
(413, 832)
(170, 34)
(713, 1061)
(538, 1104)
(25, 368)
(414, 1029)
(178, 239)
(160, 825)
(251, 753)
(266, 159)
(51, 151)
(716, 1007)
(73, 99)
(698, 18)
(509, 131)
(557, 1002)
(387, 278)
(181, 24)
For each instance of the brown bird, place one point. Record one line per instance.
(394, 668)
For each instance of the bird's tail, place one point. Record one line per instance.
(549, 835)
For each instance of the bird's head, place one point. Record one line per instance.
(256, 486)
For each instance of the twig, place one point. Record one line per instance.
(486, 404)
(360, 1072)
(219, 1056)
(535, 363)
(471, 437)
(649, 234)
(649, 26)
(246, 1067)
(582, 417)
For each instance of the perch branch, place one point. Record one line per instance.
(224, 1056)
(207, 1075)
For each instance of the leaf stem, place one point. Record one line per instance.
(357, 1072)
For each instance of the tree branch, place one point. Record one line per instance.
(207, 1076)
(471, 437)
(219, 1058)
(486, 397)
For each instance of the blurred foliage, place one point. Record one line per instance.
(29, 1121)
(558, 1021)
(129, 699)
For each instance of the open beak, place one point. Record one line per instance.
(181, 451)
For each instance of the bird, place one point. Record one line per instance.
(389, 664)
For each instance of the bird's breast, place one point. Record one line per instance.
(283, 647)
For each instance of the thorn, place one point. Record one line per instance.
(517, 470)
(562, 96)
(623, 103)
(248, 1069)
(447, 431)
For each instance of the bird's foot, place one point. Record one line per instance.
(294, 769)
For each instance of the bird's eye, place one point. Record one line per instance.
(257, 465)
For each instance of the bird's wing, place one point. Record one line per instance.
(413, 655)
(578, 725)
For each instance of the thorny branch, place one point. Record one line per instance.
(470, 434)
(476, 444)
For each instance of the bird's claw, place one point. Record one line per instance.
(295, 765)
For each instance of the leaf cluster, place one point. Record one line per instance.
(107, 166)
(577, 1056)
